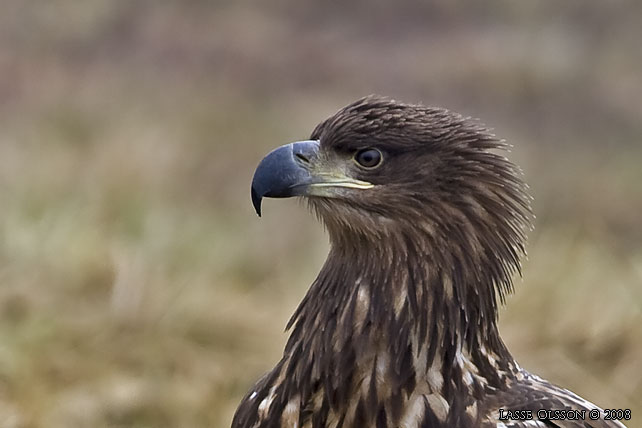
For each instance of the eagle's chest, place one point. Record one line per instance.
(384, 393)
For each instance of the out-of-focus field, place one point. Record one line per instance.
(137, 286)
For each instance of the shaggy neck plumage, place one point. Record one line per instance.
(410, 309)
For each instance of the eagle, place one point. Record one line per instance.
(427, 221)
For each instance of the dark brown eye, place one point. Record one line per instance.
(368, 158)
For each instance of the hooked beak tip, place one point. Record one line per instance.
(256, 202)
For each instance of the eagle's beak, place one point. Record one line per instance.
(294, 170)
(284, 172)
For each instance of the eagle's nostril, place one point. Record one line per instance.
(302, 158)
(305, 152)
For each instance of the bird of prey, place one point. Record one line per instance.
(427, 223)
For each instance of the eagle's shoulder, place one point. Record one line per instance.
(548, 406)
(252, 412)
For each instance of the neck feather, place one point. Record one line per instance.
(412, 314)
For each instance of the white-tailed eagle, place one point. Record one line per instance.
(427, 224)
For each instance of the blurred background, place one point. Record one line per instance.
(137, 286)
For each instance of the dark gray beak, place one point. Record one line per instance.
(284, 172)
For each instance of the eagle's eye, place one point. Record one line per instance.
(368, 158)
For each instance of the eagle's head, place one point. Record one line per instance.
(383, 171)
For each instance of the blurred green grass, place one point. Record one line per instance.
(137, 286)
